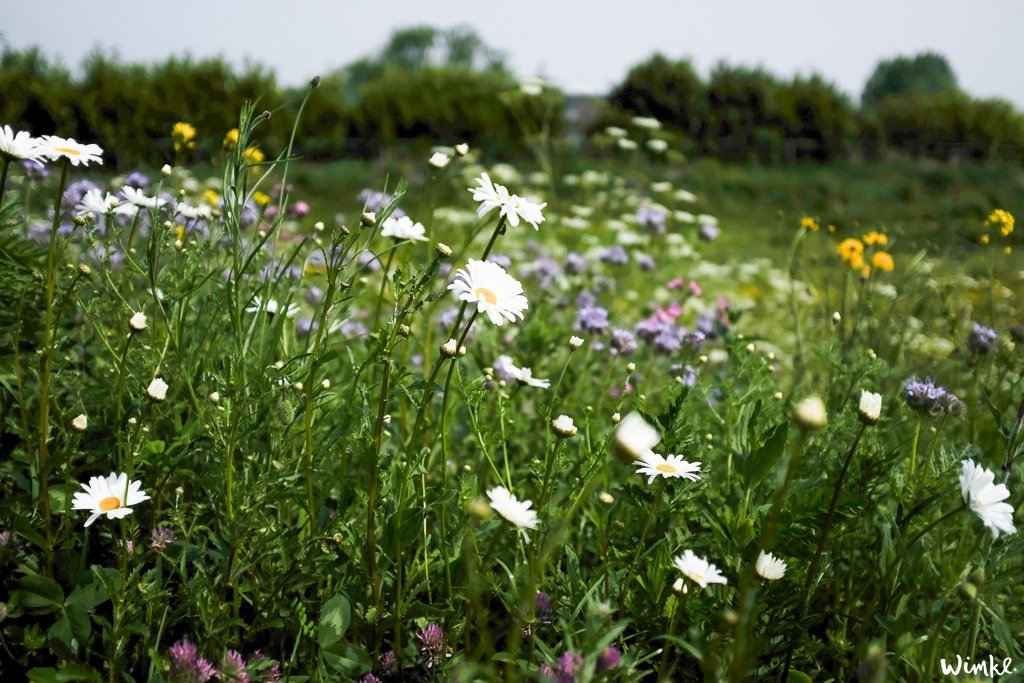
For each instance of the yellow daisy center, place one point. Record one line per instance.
(697, 576)
(111, 503)
(69, 151)
(665, 467)
(486, 294)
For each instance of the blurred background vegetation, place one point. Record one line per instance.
(430, 85)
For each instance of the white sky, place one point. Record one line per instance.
(584, 46)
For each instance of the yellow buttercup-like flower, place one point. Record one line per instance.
(261, 198)
(184, 135)
(883, 261)
(810, 223)
(1002, 219)
(231, 140)
(851, 249)
(875, 237)
(212, 198)
(253, 155)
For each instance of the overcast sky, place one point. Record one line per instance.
(584, 46)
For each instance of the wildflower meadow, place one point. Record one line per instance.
(469, 418)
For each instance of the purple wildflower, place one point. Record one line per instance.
(592, 319)
(615, 255)
(232, 668)
(623, 342)
(389, 662)
(299, 209)
(695, 340)
(568, 665)
(370, 678)
(686, 374)
(925, 397)
(34, 170)
(501, 260)
(575, 264)
(303, 326)
(666, 342)
(5, 538)
(651, 218)
(981, 340)
(645, 261)
(314, 295)
(76, 190)
(137, 179)
(542, 605)
(609, 659)
(350, 329)
(547, 673)
(708, 232)
(432, 645)
(187, 666)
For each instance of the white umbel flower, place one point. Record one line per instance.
(978, 487)
(157, 389)
(654, 465)
(564, 426)
(138, 322)
(403, 229)
(870, 408)
(515, 511)
(769, 567)
(81, 423)
(20, 145)
(698, 570)
(494, 291)
(66, 148)
(636, 436)
(112, 496)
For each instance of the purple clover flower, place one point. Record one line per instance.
(232, 668)
(542, 606)
(389, 662)
(432, 646)
(609, 659)
(187, 666)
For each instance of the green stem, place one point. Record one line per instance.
(913, 449)
(651, 512)
(5, 162)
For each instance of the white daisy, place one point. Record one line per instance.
(490, 195)
(133, 195)
(564, 426)
(94, 202)
(522, 208)
(20, 145)
(870, 407)
(636, 436)
(112, 496)
(698, 570)
(272, 307)
(769, 567)
(190, 212)
(81, 423)
(494, 291)
(508, 370)
(138, 321)
(66, 148)
(655, 465)
(403, 229)
(439, 160)
(512, 207)
(157, 389)
(985, 498)
(516, 511)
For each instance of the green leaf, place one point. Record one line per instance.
(40, 595)
(155, 447)
(335, 618)
(758, 464)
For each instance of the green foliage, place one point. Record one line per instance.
(670, 91)
(926, 73)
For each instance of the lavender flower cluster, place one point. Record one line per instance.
(188, 667)
(927, 398)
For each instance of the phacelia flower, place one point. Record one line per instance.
(769, 567)
(515, 511)
(698, 570)
(494, 291)
(985, 498)
(112, 496)
(924, 396)
(981, 340)
(654, 465)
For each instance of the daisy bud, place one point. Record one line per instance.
(138, 322)
(462, 149)
(132, 421)
(314, 82)
(630, 367)
(575, 342)
(750, 348)
(318, 226)
(84, 269)
(215, 397)
(606, 498)
(836, 318)
(166, 170)
(387, 419)
(81, 423)
(616, 417)
(78, 220)
(563, 426)
(777, 395)
(298, 386)
(157, 389)
(810, 413)
(703, 359)
(636, 436)
(368, 219)
(326, 384)
(443, 250)
(439, 160)
(403, 330)
(870, 408)
(450, 349)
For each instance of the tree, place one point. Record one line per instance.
(925, 73)
(670, 91)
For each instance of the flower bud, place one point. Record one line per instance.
(575, 342)
(563, 426)
(443, 250)
(166, 170)
(368, 219)
(450, 349)
(157, 389)
(138, 322)
(810, 413)
(80, 423)
(870, 408)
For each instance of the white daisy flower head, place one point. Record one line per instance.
(870, 408)
(698, 570)
(657, 145)
(462, 149)
(489, 194)
(439, 160)
(515, 511)
(272, 307)
(512, 207)
(654, 465)
(97, 203)
(112, 496)
(186, 210)
(20, 145)
(575, 343)
(137, 197)
(81, 423)
(564, 426)
(157, 389)
(522, 208)
(769, 567)
(978, 487)
(66, 148)
(138, 322)
(494, 291)
(403, 228)
(636, 435)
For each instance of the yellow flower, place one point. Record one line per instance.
(261, 198)
(183, 135)
(179, 232)
(231, 140)
(851, 248)
(831, 229)
(809, 223)
(883, 261)
(1008, 250)
(985, 238)
(1002, 219)
(875, 237)
(211, 197)
(253, 155)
